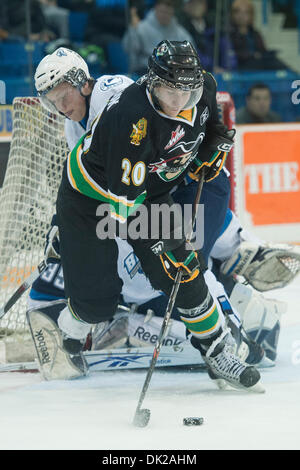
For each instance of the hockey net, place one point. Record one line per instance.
(27, 203)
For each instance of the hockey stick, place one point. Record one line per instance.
(142, 415)
(23, 288)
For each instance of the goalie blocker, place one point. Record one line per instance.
(267, 267)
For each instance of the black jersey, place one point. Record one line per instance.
(133, 151)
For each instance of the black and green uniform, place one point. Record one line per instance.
(132, 155)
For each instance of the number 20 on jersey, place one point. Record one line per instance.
(135, 174)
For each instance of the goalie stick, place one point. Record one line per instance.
(23, 288)
(142, 415)
(182, 356)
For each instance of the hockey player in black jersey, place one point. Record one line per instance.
(137, 151)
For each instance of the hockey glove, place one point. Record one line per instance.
(51, 251)
(180, 257)
(268, 267)
(217, 151)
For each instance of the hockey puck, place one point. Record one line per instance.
(193, 421)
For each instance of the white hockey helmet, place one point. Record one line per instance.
(63, 65)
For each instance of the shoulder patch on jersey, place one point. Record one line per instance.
(139, 131)
(110, 82)
(204, 116)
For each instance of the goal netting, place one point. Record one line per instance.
(27, 203)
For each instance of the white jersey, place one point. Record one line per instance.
(105, 87)
(136, 287)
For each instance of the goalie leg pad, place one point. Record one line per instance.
(136, 330)
(145, 330)
(260, 317)
(54, 362)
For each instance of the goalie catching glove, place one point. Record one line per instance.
(265, 267)
(215, 152)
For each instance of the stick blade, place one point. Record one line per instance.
(141, 418)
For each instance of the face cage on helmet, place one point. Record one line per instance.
(196, 90)
(76, 77)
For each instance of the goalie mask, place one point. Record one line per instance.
(175, 66)
(63, 65)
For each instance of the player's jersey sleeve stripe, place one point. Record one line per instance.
(70, 174)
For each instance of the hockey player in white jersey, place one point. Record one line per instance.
(90, 102)
(73, 92)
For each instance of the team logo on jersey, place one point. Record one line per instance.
(170, 168)
(204, 116)
(132, 265)
(139, 131)
(175, 137)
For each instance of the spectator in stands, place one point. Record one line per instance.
(289, 9)
(105, 24)
(258, 107)
(76, 5)
(3, 22)
(13, 21)
(57, 18)
(143, 35)
(247, 42)
(195, 19)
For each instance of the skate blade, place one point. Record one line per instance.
(265, 363)
(257, 388)
(225, 385)
(221, 384)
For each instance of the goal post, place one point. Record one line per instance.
(27, 203)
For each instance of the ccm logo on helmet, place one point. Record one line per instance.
(225, 147)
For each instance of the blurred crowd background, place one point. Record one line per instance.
(252, 47)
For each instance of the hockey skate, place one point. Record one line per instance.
(225, 368)
(59, 357)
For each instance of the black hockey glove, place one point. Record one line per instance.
(51, 251)
(183, 256)
(215, 153)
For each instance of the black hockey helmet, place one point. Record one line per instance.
(176, 64)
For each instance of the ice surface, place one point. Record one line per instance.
(96, 412)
